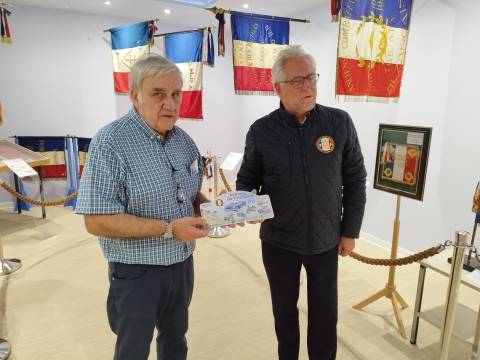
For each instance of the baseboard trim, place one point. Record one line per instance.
(6, 205)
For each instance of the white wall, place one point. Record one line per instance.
(67, 89)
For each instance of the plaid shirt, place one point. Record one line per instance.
(131, 169)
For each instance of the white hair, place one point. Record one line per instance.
(291, 52)
(151, 65)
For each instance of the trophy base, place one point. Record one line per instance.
(219, 232)
(468, 265)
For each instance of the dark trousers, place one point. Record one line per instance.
(144, 297)
(283, 272)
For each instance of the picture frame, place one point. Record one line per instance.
(402, 159)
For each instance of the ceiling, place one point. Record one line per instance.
(180, 13)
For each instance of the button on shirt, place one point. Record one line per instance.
(132, 169)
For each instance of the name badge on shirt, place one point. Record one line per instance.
(194, 168)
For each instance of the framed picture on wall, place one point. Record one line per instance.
(402, 158)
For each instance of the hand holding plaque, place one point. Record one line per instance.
(236, 207)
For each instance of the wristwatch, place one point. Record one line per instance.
(168, 234)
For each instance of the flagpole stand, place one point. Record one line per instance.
(8, 266)
(217, 231)
(390, 291)
(5, 349)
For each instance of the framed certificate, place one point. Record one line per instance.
(402, 158)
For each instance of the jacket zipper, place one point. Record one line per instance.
(306, 177)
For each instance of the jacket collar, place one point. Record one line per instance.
(291, 120)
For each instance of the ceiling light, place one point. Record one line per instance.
(107, 3)
(166, 11)
(245, 6)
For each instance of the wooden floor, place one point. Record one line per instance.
(54, 306)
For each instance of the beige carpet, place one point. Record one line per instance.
(54, 306)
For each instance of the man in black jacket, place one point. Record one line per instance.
(307, 158)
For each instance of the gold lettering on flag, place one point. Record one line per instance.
(348, 8)
(402, 6)
(345, 33)
(129, 58)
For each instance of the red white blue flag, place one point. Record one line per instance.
(4, 28)
(52, 147)
(83, 145)
(185, 50)
(128, 44)
(257, 39)
(371, 49)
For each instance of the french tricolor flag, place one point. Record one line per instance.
(128, 44)
(371, 49)
(257, 39)
(185, 50)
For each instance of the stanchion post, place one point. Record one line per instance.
(461, 238)
(8, 266)
(4, 349)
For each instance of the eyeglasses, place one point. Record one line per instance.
(298, 81)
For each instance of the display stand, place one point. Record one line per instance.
(9, 150)
(390, 291)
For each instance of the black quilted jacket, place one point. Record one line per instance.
(314, 174)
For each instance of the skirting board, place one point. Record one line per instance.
(6, 205)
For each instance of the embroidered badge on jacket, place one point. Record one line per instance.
(325, 144)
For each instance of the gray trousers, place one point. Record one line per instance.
(144, 297)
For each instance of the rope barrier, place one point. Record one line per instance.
(400, 261)
(372, 261)
(12, 191)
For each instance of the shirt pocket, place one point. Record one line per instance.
(189, 181)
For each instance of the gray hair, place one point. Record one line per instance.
(291, 52)
(151, 65)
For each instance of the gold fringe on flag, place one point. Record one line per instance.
(248, 92)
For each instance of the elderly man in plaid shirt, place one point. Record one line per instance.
(140, 193)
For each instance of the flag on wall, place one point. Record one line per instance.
(73, 177)
(220, 16)
(208, 55)
(4, 28)
(185, 50)
(371, 49)
(334, 9)
(128, 44)
(83, 145)
(257, 39)
(52, 147)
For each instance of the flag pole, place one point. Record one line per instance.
(217, 10)
(156, 19)
(184, 31)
